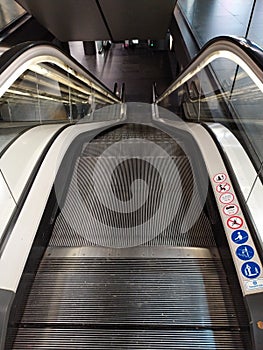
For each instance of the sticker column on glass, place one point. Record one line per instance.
(248, 265)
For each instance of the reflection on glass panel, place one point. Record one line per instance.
(188, 7)
(256, 27)
(20, 101)
(246, 97)
(209, 104)
(216, 84)
(46, 92)
(53, 97)
(225, 71)
(49, 92)
(9, 11)
(209, 19)
(247, 102)
(60, 95)
(223, 92)
(203, 96)
(7, 134)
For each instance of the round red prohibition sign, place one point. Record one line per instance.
(230, 209)
(218, 178)
(222, 188)
(235, 222)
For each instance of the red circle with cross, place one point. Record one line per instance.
(235, 222)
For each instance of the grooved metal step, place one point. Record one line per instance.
(98, 146)
(103, 208)
(86, 220)
(200, 235)
(100, 339)
(153, 291)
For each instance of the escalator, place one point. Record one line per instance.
(130, 229)
(100, 284)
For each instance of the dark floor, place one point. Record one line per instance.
(137, 67)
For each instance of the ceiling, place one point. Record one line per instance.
(115, 20)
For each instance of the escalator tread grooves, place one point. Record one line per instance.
(51, 339)
(87, 233)
(155, 291)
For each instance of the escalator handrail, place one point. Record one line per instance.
(249, 52)
(16, 52)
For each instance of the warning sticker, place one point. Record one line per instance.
(239, 236)
(254, 284)
(218, 178)
(226, 198)
(250, 269)
(235, 222)
(231, 209)
(242, 248)
(245, 252)
(222, 188)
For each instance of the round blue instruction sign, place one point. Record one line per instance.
(250, 269)
(245, 252)
(239, 236)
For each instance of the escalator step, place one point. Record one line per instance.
(172, 209)
(97, 147)
(69, 339)
(200, 235)
(75, 290)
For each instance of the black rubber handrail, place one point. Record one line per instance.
(245, 49)
(16, 51)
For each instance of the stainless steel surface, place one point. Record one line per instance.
(176, 292)
(9, 12)
(134, 252)
(129, 339)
